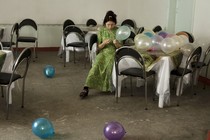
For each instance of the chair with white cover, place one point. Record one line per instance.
(180, 72)
(19, 71)
(202, 64)
(80, 44)
(140, 71)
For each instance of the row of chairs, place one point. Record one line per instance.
(25, 32)
(191, 61)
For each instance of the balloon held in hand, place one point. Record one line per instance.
(123, 32)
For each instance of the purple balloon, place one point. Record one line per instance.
(163, 34)
(114, 131)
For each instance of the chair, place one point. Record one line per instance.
(19, 71)
(74, 45)
(28, 33)
(92, 49)
(130, 53)
(67, 23)
(8, 44)
(130, 40)
(188, 35)
(91, 22)
(157, 28)
(205, 63)
(129, 22)
(140, 30)
(180, 72)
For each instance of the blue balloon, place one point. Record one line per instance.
(49, 71)
(43, 128)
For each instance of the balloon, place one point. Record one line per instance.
(178, 41)
(123, 32)
(148, 33)
(114, 131)
(163, 34)
(156, 41)
(142, 42)
(184, 39)
(49, 71)
(187, 49)
(168, 45)
(43, 128)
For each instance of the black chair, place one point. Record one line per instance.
(30, 37)
(157, 28)
(128, 52)
(205, 63)
(67, 23)
(140, 30)
(82, 44)
(93, 40)
(19, 71)
(129, 22)
(130, 40)
(188, 35)
(8, 44)
(180, 72)
(91, 22)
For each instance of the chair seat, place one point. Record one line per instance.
(26, 39)
(5, 78)
(179, 71)
(198, 65)
(7, 44)
(77, 44)
(136, 72)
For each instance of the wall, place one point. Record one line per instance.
(50, 14)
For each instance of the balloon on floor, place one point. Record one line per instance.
(114, 131)
(49, 71)
(43, 128)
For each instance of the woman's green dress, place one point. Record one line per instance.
(100, 74)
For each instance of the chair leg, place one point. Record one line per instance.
(145, 86)
(23, 93)
(131, 85)
(36, 56)
(207, 69)
(74, 56)
(116, 91)
(7, 102)
(2, 92)
(64, 58)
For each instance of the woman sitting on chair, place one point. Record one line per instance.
(100, 74)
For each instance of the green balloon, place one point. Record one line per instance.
(123, 32)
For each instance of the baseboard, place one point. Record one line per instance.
(204, 80)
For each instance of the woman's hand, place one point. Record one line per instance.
(104, 43)
(117, 43)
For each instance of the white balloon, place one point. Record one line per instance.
(168, 45)
(142, 42)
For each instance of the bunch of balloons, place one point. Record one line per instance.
(49, 71)
(43, 128)
(123, 32)
(114, 131)
(148, 40)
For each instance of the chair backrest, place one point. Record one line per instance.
(14, 31)
(67, 23)
(91, 22)
(157, 28)
(73, 29)
(140, 30)
(28, 22)
(129, 22)
(24, 58)
(193, 57)
(93, 39)
(130, 53)
(206, 58)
